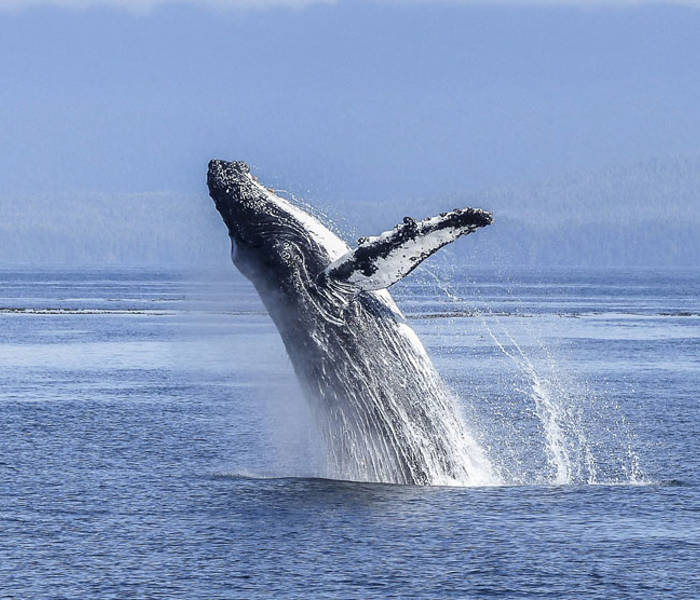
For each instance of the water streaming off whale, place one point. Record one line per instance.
(388, 416)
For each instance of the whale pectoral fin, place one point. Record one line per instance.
(381, 261)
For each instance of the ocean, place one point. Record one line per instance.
(154, 443)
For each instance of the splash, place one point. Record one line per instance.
(548, 411)
(553, 428)
(585, 440)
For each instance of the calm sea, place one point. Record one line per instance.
(154, 443)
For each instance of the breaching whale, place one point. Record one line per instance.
(382, 408)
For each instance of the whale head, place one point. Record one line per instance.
(273, 241)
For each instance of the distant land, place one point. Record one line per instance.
(641, 215)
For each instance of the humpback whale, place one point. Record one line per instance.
(382, 409)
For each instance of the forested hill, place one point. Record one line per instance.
(643, 215)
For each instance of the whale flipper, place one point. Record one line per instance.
(382, 260)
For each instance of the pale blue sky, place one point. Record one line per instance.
(408, 95)
(344, 102)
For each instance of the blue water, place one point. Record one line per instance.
(154, 444)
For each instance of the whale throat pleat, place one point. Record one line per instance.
(382, 260)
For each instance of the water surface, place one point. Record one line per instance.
(154, 443)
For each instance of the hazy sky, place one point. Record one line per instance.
(343, 99)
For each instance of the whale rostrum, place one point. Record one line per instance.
(380, 405)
